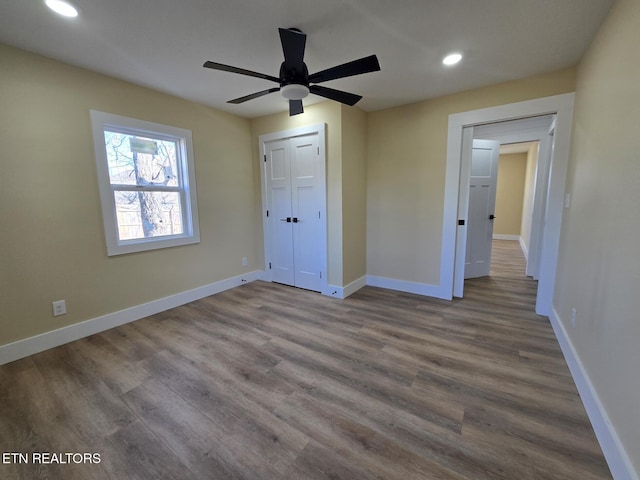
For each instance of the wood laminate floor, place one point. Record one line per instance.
(269, 382)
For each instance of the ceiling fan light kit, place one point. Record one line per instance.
(294, 78)
(294, 91)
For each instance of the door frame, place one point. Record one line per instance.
(540, 129)
(453, 234)
(316, 129)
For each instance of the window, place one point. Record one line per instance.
(147, 184)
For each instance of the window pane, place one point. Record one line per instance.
(135, 160)
(148, 214)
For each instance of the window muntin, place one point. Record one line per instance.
(147, 185)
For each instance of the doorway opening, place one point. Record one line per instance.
(512, 232)
(507, 290)
(460, 138)
(511, 135)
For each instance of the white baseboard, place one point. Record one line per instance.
(407, 286)
(344, 292)
(502, 236)
(525, 251)
(614, 452)
(38, 343)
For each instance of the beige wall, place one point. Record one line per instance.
(406, 160)
(509, 194)
(528, 195)
(52, 245)
(599, 263)
(354, 196)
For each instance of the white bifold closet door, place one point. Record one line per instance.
(295, 192)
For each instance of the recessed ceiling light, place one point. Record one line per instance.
(62, 8)
(452, 59)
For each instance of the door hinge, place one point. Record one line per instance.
(265, 157)
(318, 214)
(320, 274)
(460, 222)
(267, 213)
(269, 265)
(318, 150)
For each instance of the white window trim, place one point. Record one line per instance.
(101, 121)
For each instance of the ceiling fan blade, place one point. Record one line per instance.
(241, 71)
(293, 44)
(338, 95)
(356, 67)
(295, 107)
(254, 95)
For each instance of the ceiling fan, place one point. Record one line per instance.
(295, 81)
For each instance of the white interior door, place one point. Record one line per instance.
(307, 219)
(295, 223)
(280, 231)
(482, 200)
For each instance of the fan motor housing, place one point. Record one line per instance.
(293, 76)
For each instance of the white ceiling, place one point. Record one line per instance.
(163, 43)
(511, 148)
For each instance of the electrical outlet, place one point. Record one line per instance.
(59, 308)
(573, 317)
(244, 261)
